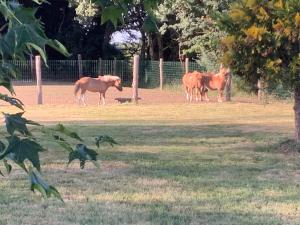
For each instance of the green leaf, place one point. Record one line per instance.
(39, 49)
(19, 150)
(105, 139)
(82, 153)
(62, 129)
(57, 138)
(13, 101)
(150, 4)
(41, 1)
(62, 142)
(58, 47)
(37, 183)
(7, 166)
(113, 14)
(15, 122)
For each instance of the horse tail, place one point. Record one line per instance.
(77, 87)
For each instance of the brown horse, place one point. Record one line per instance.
(191, 82)
(100, 84)
(214, 81)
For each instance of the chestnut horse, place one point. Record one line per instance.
(191, 82)
(99, 84)
(214, 81)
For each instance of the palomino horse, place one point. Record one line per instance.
(99, 84)
(191, 82)
(214, 82)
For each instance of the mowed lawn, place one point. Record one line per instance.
(216, 164)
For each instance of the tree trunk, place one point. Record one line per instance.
(260, 90)
(143, 47)
(108, 31)
(297, 114)
(262, 93)
(151, 46)
(228, 88)
(160, 50)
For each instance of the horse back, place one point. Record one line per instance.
(213, 81)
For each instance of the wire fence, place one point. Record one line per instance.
(70, 70)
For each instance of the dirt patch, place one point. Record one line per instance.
(63, 94)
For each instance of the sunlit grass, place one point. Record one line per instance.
(176, 164)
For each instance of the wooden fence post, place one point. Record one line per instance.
(32, 67)
(38, 79)
(161, 73)
(135, 78)
(262, 93)
(186, 65)
(115, 66)
(228, 88)
(79, 65)
(100, 67)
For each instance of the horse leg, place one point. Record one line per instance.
(99, 99)
(197, 94)
(191, 94)
(204, 93)
(83, 99)
(220, 96)
(103, 98)
(79, 99)
(187, 93)
(82, 96)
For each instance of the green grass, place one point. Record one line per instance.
(176, 164)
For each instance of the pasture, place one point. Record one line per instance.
(177, 163)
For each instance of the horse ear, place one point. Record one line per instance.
(221, 66)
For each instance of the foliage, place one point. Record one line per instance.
(23, 34)
(196, 32)
(263, 40)
(86, 10)
(121, 15)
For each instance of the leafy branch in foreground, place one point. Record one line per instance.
(23, 35)
(23, 146)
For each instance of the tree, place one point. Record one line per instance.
(263, 42)
(193, 28)
(122, 15)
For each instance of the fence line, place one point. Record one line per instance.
(69, 71)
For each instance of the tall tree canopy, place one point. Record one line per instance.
(193, 28)
(264, 42)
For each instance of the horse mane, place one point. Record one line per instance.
(109, 77)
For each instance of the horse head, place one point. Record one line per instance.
(118, 83)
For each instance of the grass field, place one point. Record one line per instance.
(215, 164)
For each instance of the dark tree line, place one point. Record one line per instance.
(92, 43)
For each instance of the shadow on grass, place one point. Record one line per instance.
(182, 135)
(214, 167)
